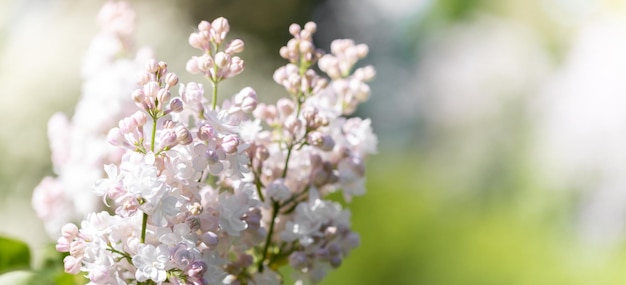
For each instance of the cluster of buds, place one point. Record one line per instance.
(215, 63)
(225, 194)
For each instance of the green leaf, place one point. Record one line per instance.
(14, 255)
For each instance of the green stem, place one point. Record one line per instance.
(144, 221)
(144, 225)
(214, 95)
(259, 185)
(154, 128)
(268, 239)
(287, 160)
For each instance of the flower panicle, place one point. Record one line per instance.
(207, 194)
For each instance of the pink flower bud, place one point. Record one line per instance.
(71, 264)
(138, 96)
(162, 67)
(206, 132)
(152, 66)
(140, 118)
(284, 52)
(176, 105)
(366, 73)
(69, 231)
(183, 135)
(285, 106)
(127, 125)
(204, 26)
(163, 96)
(362, 50)
(309, 113)
(205, 63)
(306, 47)
(192, 66)
(249, 104)
(294, 29)
(209, 239)
(151, 90)
(230, 144)
(236, 66)
(292, 46)
(292, 124)
(63, 244)
(168, 138)
(221, 59)
(324, 142)
(311, 27)
(245, 93)
(115, 137)
(196, 40)
(143, 78)
(171, 79)
(235, 46)
(220, 28)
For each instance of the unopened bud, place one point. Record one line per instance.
(324, 142)
(143, 78)
(236, 66)
(171, 79)
(192, 66)
(152, 66)
(209, 239)
(220, 27)
(235, 46)
(311, 27)
(285, 106)
(183, 135)
(294, 29)
(151, 90)
(168, 138)
(230, 144)
(140, 118)
(204, 25)
(196, 41)
(206, 132)
(138, 96)
(221, 59)
(362, 50)
(115, 137)
(163, 96)
(176, 105)
(292, 124)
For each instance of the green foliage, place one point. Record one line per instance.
(14, 255)
(414, 232)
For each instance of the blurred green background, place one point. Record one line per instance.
(502, 125)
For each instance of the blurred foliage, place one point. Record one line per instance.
(14, 254)
(414, 233)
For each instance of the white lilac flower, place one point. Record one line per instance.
(152, 263)
(233, 207)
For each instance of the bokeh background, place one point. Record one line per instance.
(502, 125)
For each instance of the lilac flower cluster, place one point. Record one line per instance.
(208, 193)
